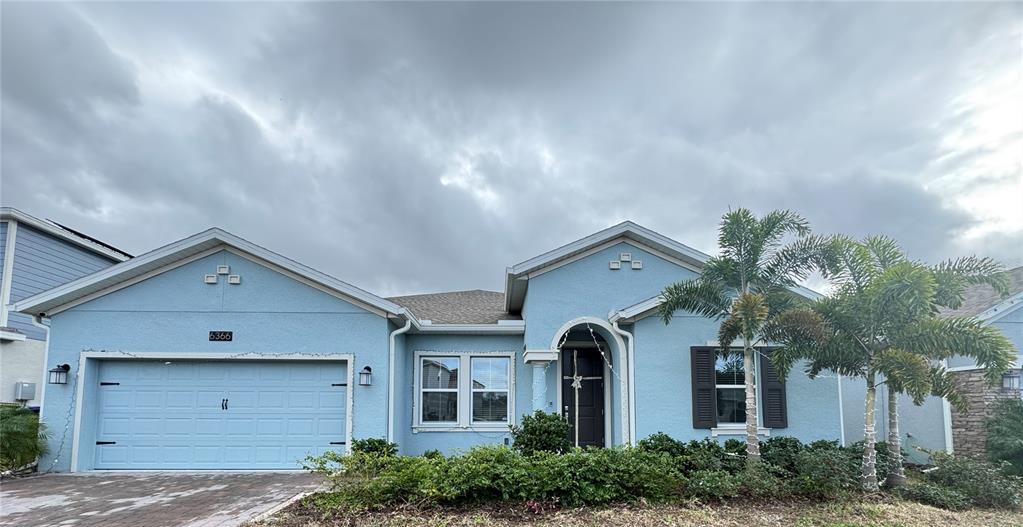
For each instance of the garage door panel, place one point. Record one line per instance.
(168, 415)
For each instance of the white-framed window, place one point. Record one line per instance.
(464, 390)
(1012, 381)
(730, 387)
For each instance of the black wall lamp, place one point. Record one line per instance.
(58, 375)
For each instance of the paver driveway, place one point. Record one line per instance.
(152, 499)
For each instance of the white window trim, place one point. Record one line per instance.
(465, 391)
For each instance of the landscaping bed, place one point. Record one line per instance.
(878, 512)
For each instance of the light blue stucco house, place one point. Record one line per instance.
(37, 255)
(215, 353)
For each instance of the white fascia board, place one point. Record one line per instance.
(648, 306)
(627, 228)
(1001, 309)
(12, 214)
(52, 299)
(11, 336)
(475, 329)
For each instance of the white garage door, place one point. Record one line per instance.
(218, 414)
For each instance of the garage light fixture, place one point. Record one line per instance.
(58, 375)
(366, 376)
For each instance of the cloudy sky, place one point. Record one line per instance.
(422, 147)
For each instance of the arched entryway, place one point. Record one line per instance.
(590, 378)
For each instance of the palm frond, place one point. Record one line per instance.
(905, 372)
(698, 296)
(884, 251)
(943, 384)
(850, 262)
(729, 331)
(954, 276)
(942, 338)
(795, 261)
(902, 293)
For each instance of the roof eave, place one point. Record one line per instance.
(12, 214)
(48, 301)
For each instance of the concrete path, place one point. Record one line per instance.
(151, 499)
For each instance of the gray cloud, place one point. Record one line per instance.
(421, 147)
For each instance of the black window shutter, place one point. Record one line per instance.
(704, 411)
(772, 394)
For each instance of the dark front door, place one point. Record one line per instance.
(582, 395)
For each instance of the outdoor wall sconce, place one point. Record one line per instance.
(366, 376)
(58, 375)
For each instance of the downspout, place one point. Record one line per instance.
(631, 352)
(390, 377)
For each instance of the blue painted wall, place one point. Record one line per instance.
(414, 443)
(43, 262)
(587, 287)
(174, 311)
(919, 426)
(664, 385)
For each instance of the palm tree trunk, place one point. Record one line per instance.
(752, 441)
(869, 477)
(896, 474)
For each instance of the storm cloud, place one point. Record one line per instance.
(423, 147)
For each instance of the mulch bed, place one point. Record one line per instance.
(880, 511)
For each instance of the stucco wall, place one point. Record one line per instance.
(919, 426)
(664, 385)
(23, 361)
(173, 312)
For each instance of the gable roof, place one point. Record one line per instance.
(158, 260)
(517, 276)
(64, 233)
(475, 306)
(983, 302)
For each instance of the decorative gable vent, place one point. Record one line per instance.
(210, 279)
(614, 265)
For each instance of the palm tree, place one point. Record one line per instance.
(882, 322)
(748, 284)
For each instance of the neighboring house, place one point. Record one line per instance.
(969, 433)
(215, 353)
(37, 255)
(936, 425)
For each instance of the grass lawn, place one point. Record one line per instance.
(881, 512)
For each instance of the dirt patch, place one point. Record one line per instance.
(881, 512)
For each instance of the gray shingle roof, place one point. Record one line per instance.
(457, 307)
(982, 297)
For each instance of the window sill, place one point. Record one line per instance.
(737, 431)
(456, 428)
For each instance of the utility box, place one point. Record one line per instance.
(24, 391)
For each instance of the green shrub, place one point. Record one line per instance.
(433, 453)
(934, 495)
(825, 471)
(497, 473)
(1005, 435)
(781, 452)
(541, 432)
(712, 485)
(703, 455)
(763, 481)
(985, 484)
(663, 443)
(22, 437)
(374, 445)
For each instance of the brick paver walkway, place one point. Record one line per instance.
(147, 499)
